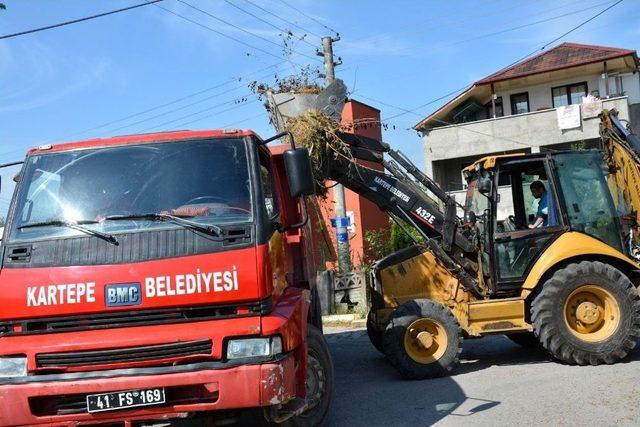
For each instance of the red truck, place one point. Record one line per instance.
(158, 276)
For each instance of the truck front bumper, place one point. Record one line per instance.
(61, 399)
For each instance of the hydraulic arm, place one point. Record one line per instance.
(404, 192)
(621, 150)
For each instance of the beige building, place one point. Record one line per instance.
(523, 108)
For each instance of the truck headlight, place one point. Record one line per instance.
(253, 347)
(13, 366)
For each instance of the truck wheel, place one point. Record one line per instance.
(319, 381)
(587, 313)
(422, 339)
(374, 334)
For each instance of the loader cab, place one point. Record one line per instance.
(532, 200)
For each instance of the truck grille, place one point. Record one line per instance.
(77, 403)
(126, 354)
(129, 318)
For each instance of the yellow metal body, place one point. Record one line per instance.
(590, 313)
(571, 245)
(423, 277)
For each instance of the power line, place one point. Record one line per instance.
(176, 109)
(570, 31)
(529, 24)
(238, 104)
(241, 100)
(444, 122)
(172, 102)
(237, 27)
(282, 19)
(246, 119)
(219, 32)
(284, 31)
(406, 111)
(75, 21)
(308, 16)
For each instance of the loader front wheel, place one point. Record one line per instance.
(422, 339)
(587, 313)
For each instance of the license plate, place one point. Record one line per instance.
(124, 399)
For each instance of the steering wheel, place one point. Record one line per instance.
(510, 224)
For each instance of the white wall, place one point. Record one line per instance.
(540, 95)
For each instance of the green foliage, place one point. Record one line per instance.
(2, 221)
(398, 239)
(382, 242)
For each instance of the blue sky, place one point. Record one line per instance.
(83, 80)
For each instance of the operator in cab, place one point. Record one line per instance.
(539, 191)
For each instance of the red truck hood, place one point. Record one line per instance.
(218, 278)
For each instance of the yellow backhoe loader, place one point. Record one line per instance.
(561, 273)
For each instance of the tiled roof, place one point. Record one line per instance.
(565, 55)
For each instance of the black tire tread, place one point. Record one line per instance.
(393, 339)
(550, 329)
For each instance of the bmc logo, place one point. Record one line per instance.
(122, 294)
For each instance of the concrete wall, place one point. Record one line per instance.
(510, 133)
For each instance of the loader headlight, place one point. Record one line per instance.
(13, 366)
(253, 347)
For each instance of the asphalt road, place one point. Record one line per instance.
(497, 383)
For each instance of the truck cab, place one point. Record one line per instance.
(160, 275)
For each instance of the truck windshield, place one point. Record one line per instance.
(119, 189)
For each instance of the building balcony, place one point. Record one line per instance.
(512, 133)
(448, 149)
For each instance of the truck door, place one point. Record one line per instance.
(526, 219)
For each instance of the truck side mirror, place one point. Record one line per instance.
(484, 185)
(298, 167)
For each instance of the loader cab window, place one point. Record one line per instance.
(588, 201)
(526, 216)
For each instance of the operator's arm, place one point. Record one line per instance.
(537, 222)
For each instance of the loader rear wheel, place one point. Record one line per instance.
(422, 339)
(374, 333)
(587, 313)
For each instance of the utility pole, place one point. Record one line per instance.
(341, 220)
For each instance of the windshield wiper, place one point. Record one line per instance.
(210, 229)
(76, 225)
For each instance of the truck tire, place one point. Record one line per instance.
(422, 339)
(319, 381)
(587, 313)
(374, 334)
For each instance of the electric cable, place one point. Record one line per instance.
(75, 21)
(282, 19)
(283, 30)
(309, 16)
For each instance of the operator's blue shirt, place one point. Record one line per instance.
(543, 209)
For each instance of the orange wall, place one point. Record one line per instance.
(366, 215)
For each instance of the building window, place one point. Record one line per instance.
(520, 103)
(568, 94)
(499, 110)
